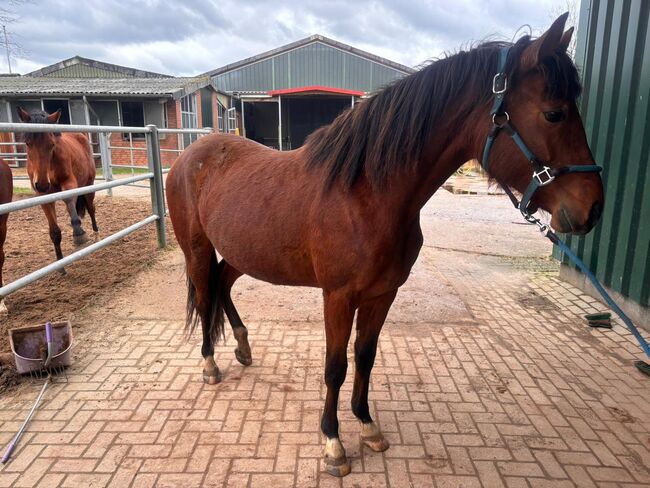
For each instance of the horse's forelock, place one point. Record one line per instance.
(38, 117)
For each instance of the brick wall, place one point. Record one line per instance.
(169, 141)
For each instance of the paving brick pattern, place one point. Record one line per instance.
(523, 395)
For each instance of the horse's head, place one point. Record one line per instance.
(40, 147)
(540, 101)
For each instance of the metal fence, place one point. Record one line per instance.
(154, 173)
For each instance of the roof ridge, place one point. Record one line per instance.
(77, 59)
(303, 42)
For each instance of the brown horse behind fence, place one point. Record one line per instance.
(342, 213)
(6, 192)
(57, 162)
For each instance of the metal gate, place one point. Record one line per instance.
(153, 173)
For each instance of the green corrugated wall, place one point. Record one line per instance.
(613, 56)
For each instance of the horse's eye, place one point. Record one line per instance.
(555, 116)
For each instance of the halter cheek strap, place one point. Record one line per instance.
(542, 174)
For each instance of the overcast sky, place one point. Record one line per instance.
(191, 37)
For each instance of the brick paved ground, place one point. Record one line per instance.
(486, 376)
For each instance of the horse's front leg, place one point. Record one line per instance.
(55, 231)
(339, 315)
(78, 234)
(370, 320)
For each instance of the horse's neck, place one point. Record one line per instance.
(440, 160)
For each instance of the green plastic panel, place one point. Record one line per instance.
(613, 56)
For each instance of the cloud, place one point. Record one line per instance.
(188, 38)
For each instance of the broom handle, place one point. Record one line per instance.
(14, 442)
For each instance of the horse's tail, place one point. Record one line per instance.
(214, 325)
(81, 206)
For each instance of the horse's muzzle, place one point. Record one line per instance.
(42, 187)
(567, 222)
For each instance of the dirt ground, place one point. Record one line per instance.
(62, 297)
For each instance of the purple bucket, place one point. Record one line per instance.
(29, 345)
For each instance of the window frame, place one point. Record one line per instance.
(131, 136)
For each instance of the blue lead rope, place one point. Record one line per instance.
(610, 301)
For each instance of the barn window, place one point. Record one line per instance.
(221, 115)
(189, 118)
(132, 116)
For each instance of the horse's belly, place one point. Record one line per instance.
(271, 264)
(266, 247)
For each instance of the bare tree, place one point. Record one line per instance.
(573, 7)
(9, 41)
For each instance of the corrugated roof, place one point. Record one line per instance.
(308, 40)
(94, 69)
(47, 86)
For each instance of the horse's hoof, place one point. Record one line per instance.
(3, 309)
(336, 462)
(211, 377)
(377, 443)
(337, 467)
(372, 437)
(80, 240)
(244, 359)
(62, 272)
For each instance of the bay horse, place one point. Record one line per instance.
(342, 213)
(6, 192)
(57, 162)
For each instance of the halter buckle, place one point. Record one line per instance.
(502, 114)
(543, 176)
(499, 83)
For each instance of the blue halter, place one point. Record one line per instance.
(542, 174)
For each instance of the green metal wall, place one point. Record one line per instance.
(613, 55)
(315, 64)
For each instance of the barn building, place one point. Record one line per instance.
(97, 93)
(286, 93)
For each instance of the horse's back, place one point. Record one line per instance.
(249, 200)
(81, 157)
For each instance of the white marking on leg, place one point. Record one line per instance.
(334, 449)
(3, 308)
(370, 430)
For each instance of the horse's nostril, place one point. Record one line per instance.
(42, 188)
(595, 213)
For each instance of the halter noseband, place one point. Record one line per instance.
(542, 174)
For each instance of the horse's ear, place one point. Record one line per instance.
(22, 114)
(565, 41)
(544, 46)
(53, 118)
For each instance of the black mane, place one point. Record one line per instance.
(390, 130)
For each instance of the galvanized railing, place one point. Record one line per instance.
(106, 151)
(156, 187)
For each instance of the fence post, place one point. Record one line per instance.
(156, 184)
(105, 155)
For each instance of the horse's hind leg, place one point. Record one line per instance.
(204, 298)
(90, 205)
(239, 330)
